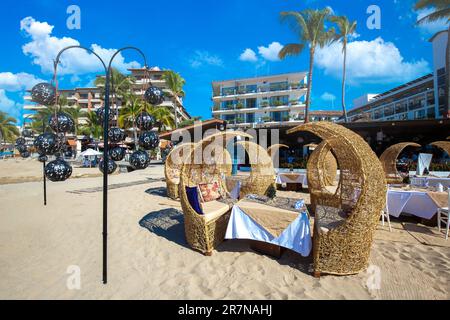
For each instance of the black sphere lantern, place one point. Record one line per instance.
(117, 153)
(145, 121)
(111, 166)
(116, 135)
(25, 154)
(44, 94)
(20, 141)
(139, 160)
(149, 140)
(154, 95)
(101, 115)
(61, 122)
(47, 143)
(58, 170)
(21, 148)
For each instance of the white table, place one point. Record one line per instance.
(297, 236)
(417, 203)
(430, 181)
(292, 177)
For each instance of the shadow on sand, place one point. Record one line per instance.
(167, 223)
(158, 191)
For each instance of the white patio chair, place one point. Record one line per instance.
(443, 214)
(385, 214)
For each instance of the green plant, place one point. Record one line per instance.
(239, 105)
(271, 192)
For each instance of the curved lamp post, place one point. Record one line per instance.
(107, 68)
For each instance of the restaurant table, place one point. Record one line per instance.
(430, 181)
(292, 177)
(260, 222)
(423, 204)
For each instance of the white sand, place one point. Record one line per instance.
(37, 244)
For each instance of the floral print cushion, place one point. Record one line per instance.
(210, 191)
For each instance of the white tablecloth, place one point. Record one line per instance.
(285, 177)
(430, 181)
(414, 202)
(297, 236)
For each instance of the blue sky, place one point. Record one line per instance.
(205, 40)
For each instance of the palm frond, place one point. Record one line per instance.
(291, 49)
(435, 16)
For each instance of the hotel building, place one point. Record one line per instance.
(92, 99)
(422, 98)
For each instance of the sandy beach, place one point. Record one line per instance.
(150, 259)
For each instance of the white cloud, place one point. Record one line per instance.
(248, 55)
(431, 28)
(17, 81)
(201, 58)
(271, 52)
(8, 105)
(370, 61)
(326, 96)
(43, 48)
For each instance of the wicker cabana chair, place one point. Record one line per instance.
(172, 167)
(389, 161)
(321, 171)
(262, 174)
(345, 221)
(444, 145)
(206, 164)
(273, 152)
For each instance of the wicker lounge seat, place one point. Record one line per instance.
(172, 167)
(262, 174)
(444, 145)
(321, 172)
(345, 221)
(207, 162)
(389, 161)
(273, 152)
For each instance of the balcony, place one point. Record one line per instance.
(261, 91)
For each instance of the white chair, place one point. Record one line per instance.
(443, 214)
(385, 214)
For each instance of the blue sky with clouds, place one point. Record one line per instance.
(208, 40)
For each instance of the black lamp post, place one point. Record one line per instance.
(106, 116)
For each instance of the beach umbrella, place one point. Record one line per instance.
(90, 153)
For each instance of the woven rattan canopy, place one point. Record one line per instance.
(389, 160)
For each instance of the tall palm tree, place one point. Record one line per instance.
(175, 84)
(345, 29)
(309, 25)
(122, 83)
(441, 11)
(8, 129)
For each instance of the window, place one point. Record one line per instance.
(279, 101)
(277, 86)
(250, 103)
(400, 107)
(229, 117)
(430, 113)
(228, 91)
(419, 114)
(279, 116)
(389, 110)
(250, 117)
(227, 105)
(252, 88)
(378, 113)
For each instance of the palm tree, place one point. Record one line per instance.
(133, 106)
(40, 119)
(92, 126)
(309, 25)
(8, 129)
(345, 29)
(441, 11)
(76, 113)
(163, 117)
(121, 83)
(175, 83)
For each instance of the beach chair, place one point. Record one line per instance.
(443, 217)
(345, 220)
(262, 173)
(172, 167)
(389, 161)
(207, 230)
(385, 214)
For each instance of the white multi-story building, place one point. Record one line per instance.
(261, 100)
(422, 98)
